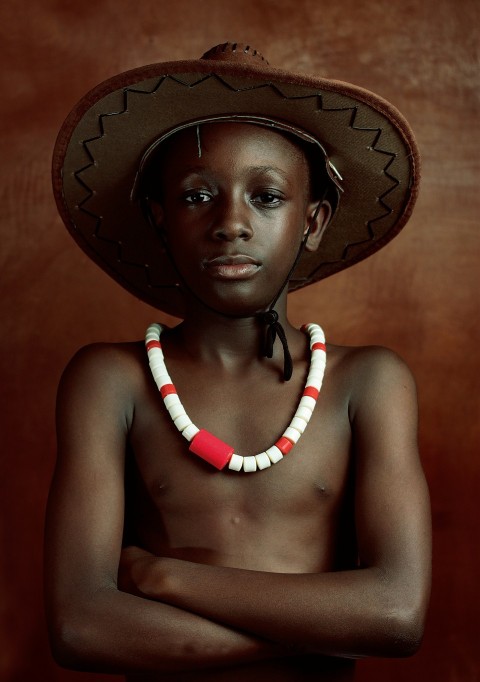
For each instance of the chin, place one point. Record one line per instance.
(233, 300)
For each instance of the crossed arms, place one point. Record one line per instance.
(164, 614)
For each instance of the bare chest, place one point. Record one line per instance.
(189, 509)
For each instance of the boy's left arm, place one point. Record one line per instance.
(376, 610)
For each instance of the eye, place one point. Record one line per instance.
(268, 198)
(197, 196)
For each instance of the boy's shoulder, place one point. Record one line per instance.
(107, 366)
(367, 356)
(108, 354)
(369, 369)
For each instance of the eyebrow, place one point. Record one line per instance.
(270, 169)
(255, 170)
(260, 169)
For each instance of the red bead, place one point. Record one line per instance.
(211, 449)
(167, 389)
(319, 346)
(311, 392)
(284, 445)
(152, 344)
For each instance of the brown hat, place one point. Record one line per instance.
(369, 148)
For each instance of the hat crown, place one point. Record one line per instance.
(234, 52)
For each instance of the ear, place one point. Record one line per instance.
(157, 213)
(320, 215)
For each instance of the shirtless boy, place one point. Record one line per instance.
(206, 522)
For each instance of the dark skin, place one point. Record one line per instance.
(289, 573)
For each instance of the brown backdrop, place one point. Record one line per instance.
(419, 296)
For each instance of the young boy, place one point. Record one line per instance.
(232, 498)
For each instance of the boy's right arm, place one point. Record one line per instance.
(93, 625)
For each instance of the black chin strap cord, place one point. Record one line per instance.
(274, 328)
(270, 316)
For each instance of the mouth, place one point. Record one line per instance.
(233, 267)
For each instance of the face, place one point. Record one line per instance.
(234, 204)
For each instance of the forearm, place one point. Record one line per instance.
(350, 613)
(115, 632)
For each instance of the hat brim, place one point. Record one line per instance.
(102, 142)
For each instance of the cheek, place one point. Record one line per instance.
(287, 233)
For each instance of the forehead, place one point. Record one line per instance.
(232, 142)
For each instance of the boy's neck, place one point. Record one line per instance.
(232, 341)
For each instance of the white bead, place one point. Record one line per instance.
(157, 363)
(308, 401)
(236, 462)
(176, 411)
(298, 424)
(274, 454)
(159, 371)
(171, 399)
(291, 434)
(157, 367)
(314, 380)
(263, 460)
(155, 355)
(182, 422)
(249, 464)
(161, 379)
(303, 413)
(190, 431)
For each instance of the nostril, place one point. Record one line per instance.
(232, 231)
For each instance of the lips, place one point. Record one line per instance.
(232, 267)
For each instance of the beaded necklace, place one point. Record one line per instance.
(212, 449)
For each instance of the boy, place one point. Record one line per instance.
(173, 551)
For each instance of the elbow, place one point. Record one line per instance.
(402, 617)
(66, 646)
(71, 639)
(403, 633)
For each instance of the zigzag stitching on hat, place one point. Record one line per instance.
(98, 219)
(395, 181)
(249, 88)
(118, 245)
(115, 243)
(388, 209)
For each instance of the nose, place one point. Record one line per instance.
(232, 220)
